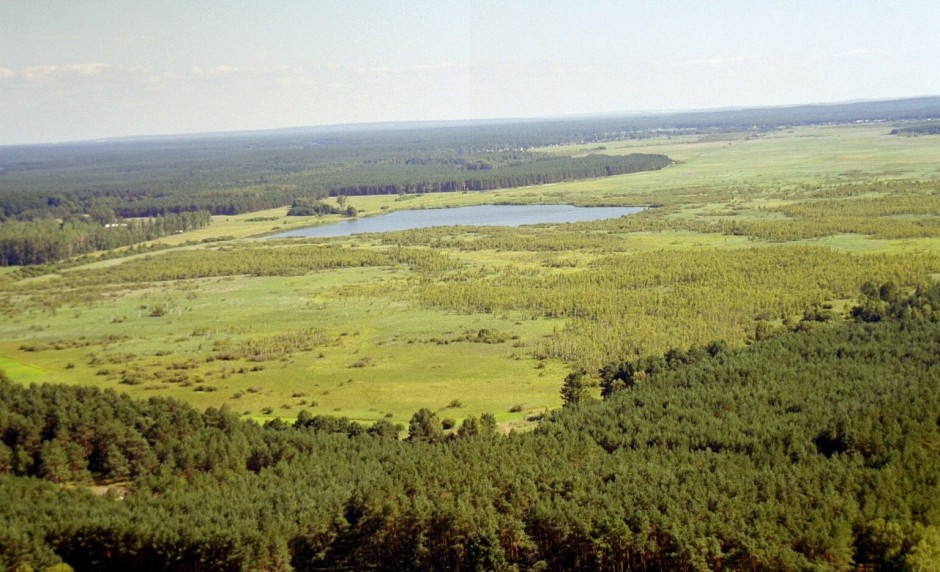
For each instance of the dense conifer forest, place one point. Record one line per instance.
(812, 449)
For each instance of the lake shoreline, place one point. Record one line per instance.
(480, 215)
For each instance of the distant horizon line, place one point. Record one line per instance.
(381, 125)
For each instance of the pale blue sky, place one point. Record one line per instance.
(90, 69)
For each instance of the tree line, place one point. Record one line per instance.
(537, 171)
(921, 129)
(46, 241)
(387, 172)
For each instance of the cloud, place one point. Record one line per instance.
(226, 72)
(218, 70)
(87, 69)
(39, 73)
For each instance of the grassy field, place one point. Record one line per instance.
(510, 312)
(800, 156)
(377, 357)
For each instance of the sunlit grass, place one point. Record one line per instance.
(409, 354)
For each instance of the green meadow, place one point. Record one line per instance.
(372, 357)
(747, 231)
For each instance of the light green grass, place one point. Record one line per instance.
(802, 155)
(20, 371)
(406, 368)
(866, 244)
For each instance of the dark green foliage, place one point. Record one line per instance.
(886, 302)
(808, 450)
(575, 389)
(932, 128)
(523, 169)
(385, 429)
(45, 241)
(425, 426)
(470, 427)
(624, 375)
(311, 207)
(330, 424)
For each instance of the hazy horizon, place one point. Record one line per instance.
(108, 69)
(406, 123)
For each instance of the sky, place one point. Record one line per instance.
(94, 69)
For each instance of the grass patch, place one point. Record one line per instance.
(21, 372)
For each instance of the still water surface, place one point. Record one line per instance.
(485, 215)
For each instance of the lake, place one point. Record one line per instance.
(485, 215)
